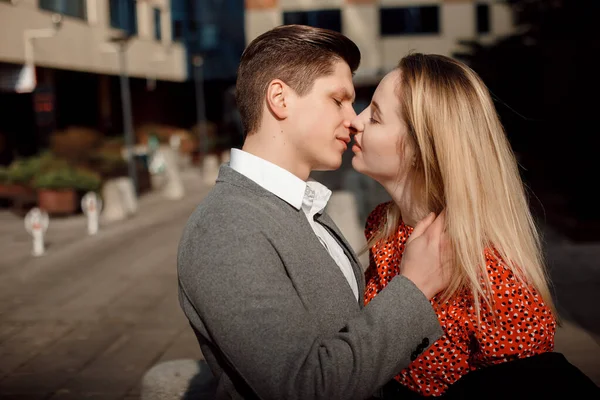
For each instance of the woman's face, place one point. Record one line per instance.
(380, 135)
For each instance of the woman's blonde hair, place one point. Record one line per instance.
(463, 163)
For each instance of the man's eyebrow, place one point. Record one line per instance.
(345, 94)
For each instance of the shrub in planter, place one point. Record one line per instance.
(75, 143)
(58, 188)
(23, 170)
(109, 164)
(4, 176)
(8, 189)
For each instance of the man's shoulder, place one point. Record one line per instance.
(222, 207)
(229, 209)
(228, 222)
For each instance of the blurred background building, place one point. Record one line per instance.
(59, 66)
(59, 71)
(59, 63)
(385, 30)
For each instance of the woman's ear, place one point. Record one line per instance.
(276, 98)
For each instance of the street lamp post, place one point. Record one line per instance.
(198, 62)
(29, 35)
(122, 42)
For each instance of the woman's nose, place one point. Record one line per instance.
(357, 125)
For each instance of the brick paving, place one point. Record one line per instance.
(87, 319)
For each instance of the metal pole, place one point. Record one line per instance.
(127, 119)
(198, 61)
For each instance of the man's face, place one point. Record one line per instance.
(319, 122)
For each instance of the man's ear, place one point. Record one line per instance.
(276, 98)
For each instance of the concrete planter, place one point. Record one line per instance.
(12, 190)
(57, 201)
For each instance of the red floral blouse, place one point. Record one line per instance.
(523, 325)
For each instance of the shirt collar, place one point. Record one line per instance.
(282, 183)
(316, 196)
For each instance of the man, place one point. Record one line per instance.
(269, 284)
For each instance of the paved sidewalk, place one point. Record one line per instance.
(65, 232)
(87, 319)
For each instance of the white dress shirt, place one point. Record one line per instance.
(309, 196)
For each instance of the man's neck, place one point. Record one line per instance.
(273, 148)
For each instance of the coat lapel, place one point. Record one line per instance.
(228, 175)
(328, 223)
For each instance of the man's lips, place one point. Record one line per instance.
(344, 141)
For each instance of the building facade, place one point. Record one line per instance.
(82, 38)
(213, 29)
(385, 30)
(60, 64)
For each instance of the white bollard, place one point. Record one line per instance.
(36, 223)
(173, 188)
(210, 169)
(128, 195)
(175, 142)
(114, 209)
(91, 205)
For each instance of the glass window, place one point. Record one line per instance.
(483, 18)
(328, 19)
(157, 24)
(123, 15)
(209, 38)
(409, 20)
(72, 8)
(177, 30)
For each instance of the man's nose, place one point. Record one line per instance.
(350, 114)
(349, 117)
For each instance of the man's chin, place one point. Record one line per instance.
(329, 166)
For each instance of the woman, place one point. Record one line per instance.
(432, 138)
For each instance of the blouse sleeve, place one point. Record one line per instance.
(522, 325)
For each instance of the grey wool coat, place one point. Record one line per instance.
(274, 316)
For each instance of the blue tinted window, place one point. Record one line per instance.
(157, 26)
(72, 8)
(123, 15)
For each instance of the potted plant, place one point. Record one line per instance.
(75, 143)
(4, 179)
(109, 164)
(15, 179)
(58, 189)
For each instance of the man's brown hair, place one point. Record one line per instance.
(296, 54)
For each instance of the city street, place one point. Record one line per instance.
(89, 318)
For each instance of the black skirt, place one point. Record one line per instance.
(543, 376)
